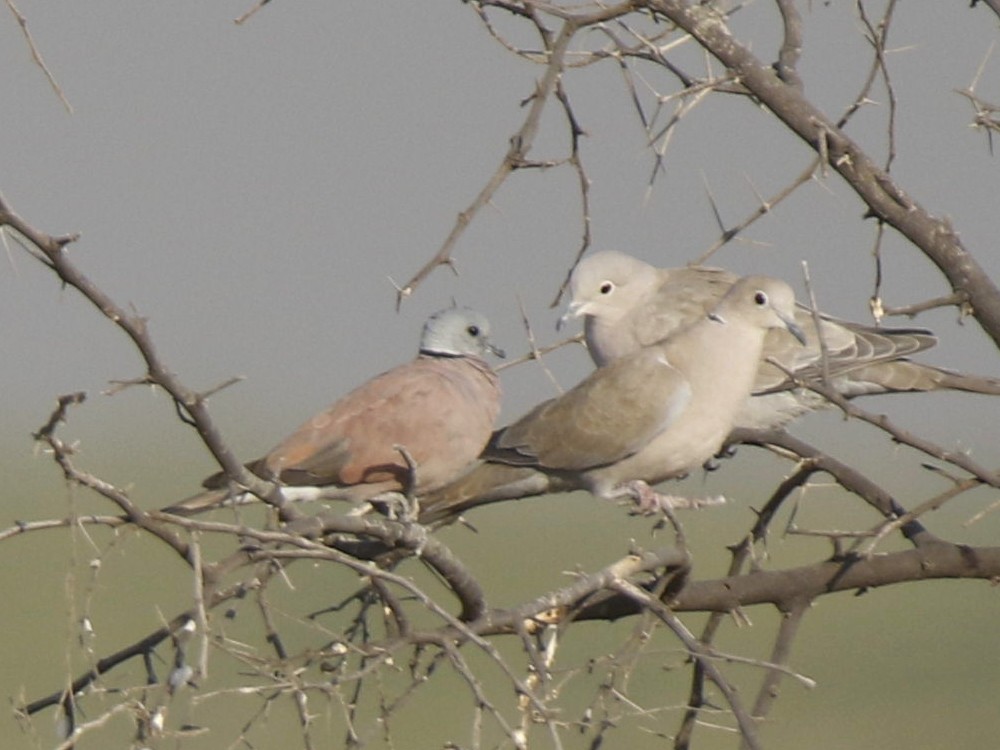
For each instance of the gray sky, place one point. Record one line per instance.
(252, 189)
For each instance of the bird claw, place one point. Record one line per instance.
(397, 506)
(714, 462)
(648, 501)
(728, 450)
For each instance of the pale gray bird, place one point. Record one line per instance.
(440, 407)
(658, 412)
(628, 304)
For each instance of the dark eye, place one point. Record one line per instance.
(607, 287)
(760, 298)
(473, 331)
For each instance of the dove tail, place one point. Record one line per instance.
(903, 375)
(486, 483)
(200, 503)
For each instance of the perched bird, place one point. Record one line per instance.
(656, 413)
(628, 304)
(440, 407)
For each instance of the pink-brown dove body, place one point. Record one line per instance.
(440, 407)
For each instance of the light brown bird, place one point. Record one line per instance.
(628, 304)
(658, 412)
(440, 407)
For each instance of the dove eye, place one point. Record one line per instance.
(607, 287)
(472, 331)
(760, 298)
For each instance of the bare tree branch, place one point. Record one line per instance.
(37, 56)
(887, 202)
(368, 650)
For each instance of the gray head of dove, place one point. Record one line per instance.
(606, 284)
(761, 301)
(456, 332)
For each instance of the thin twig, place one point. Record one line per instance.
(37, 56)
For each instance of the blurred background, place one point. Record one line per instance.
(256, 191)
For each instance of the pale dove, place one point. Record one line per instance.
(656, 413)
(440, 407)
(628, 304)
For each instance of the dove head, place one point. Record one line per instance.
(760, 301)
(456, 332)
(607, 285)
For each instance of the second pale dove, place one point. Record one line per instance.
(628, 304)
(440, 407)
(658, 412)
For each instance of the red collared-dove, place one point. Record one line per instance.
(628, 304)
(440, 407)
(656, 413)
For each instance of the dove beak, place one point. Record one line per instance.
(496, 350)
(573, 311)
(793, 327)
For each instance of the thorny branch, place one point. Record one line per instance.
(886, 201)
(36, 55)
(515, 158)
(273, 551)
(191, 406)
(659, 582)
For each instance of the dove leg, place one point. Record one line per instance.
(394, 505)
(648, 501)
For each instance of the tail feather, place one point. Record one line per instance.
(903, 375)
(202, 502)
(484, 484)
